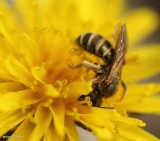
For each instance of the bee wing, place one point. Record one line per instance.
(119, 58)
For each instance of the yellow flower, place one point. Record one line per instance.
(38, 89)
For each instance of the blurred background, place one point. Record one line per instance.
(152, 121)
(153, 4)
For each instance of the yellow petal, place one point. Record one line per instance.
(107, 118)
(102, 134)
(129, 121)
(71, 130)
(51, 134)
(78, 88)
(88, 117)
(10, 87)
(23, 131)
(10, 119)
(97, 121)
(146, 89)
(58, 113)
(17, 100)
(147, 105)
(28, 51)
(6, 27)
(18, 70)
(135, 134)
(4, 49)
(140, 26)
(4, 76)
(43, 119)
(141, 98)
(39, 73)
(145, 65)
(17, 10)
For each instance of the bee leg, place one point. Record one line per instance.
(97, 79)
(93, 66)
(125, 90)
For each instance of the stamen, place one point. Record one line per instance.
(75, 112)
(88, 101)
(62, 84)
(66, 93)
(51, 91)
(48, 102)
(32, 85)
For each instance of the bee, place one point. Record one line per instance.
(108, 76)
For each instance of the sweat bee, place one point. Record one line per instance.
(108, 76)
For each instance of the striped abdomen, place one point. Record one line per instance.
(97, 45)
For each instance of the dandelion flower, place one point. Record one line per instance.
(38, 89)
